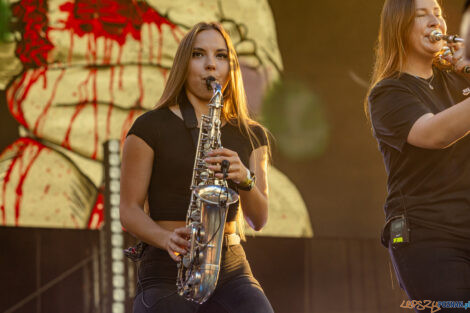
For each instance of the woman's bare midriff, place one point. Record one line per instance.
(230, 227)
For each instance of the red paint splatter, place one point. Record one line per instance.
(139, 77)
(97, 213)
(113, 19)
(48, 104)
(83, 101)
(35, 45)
(151, 44)
(20, 89)
(19, 147)
(95, 113)
(66, 142)
(69, 57)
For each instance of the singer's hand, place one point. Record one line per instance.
(457, 59)
(236, 171)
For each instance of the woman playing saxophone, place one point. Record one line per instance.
(157, 164)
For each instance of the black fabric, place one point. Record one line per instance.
(467, 4)
(189, 116)
(237, 290)
(167, 135)
(433, 266)
(431, 187)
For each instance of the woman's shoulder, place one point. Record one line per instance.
(258, 129)
(260, 132)
(391, 82)
(145, 126)
(257, 132)
(252, 125)
(154, 114)
(389, 88)
(154, 117)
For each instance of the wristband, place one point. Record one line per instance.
(249, 182)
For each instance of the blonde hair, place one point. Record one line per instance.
(235, 111)
(396, 22)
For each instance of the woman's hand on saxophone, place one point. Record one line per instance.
(177, 242)
(237, 172)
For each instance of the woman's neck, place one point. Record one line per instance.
(200, 105)
(418, 66)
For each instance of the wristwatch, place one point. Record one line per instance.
(249, 182)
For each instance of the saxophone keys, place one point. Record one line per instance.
(204, 175)
(195, 278)
(195, 216)
(186, 261)
(201, 257)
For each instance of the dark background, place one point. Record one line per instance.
(343, 268)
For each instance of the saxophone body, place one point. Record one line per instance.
(198, 270)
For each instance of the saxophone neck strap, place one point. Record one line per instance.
(189, 116)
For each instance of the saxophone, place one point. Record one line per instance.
(198, 270)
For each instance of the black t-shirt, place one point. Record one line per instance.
(174, 148)
(432, 186)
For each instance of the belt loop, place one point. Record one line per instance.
(231, 240)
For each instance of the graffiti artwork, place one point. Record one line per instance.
(88, 69)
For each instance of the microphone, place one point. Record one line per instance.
(437, 35)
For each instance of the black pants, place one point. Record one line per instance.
(434, 266)
(237, 290)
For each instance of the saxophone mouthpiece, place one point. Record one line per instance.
(209, 81)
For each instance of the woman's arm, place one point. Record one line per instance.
(438, 131)
(255, 201)
(136, 170)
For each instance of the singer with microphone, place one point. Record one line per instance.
(420, 117)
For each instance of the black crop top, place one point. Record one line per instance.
(171, 141)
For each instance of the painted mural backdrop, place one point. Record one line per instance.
(80, 72)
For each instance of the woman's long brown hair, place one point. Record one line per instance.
(235, 109)
(396, 21)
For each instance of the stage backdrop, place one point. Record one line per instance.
(77, 73)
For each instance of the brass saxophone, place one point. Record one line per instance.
(198, 270)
